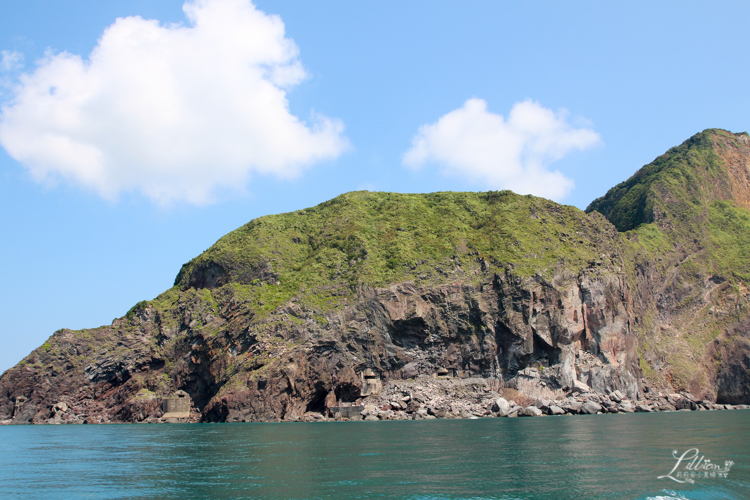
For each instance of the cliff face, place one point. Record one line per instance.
(687, 216)
(287, 314)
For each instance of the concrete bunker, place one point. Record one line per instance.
(371, 383)
(177, 406)
(347, 410)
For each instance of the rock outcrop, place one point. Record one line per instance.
(307, 315)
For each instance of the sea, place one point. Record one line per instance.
(676, 455)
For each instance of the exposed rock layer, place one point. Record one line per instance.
(296, 314)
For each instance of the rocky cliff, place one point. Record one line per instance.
(686, 215)
(317, 309)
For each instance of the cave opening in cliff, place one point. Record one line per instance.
(317, 402)
(347, 393)
(512, 351)
(543, 354)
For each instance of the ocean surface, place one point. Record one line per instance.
(567, 457)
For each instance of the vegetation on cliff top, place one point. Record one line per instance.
(683, 202)
(684, 213)
(676, 215)
(668, 210)
(375, 239)
(687, 172)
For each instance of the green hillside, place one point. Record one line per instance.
(373, 239)
(683, 204)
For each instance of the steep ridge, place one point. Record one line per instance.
(688, 214)
(292, 313)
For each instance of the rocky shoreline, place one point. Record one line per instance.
(579, 384)
(473, 398)
(428, 398)
(452, 305)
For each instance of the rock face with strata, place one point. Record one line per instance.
(314, 313)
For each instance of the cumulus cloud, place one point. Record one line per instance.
(515, 154)
(176, 112)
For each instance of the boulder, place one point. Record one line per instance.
(555, 410)
(617, 396)
(609, 406)
(60, 408)
(626, 407)
(685, 404)
(501, 406)
(579, 386)
(591, 408)
(665, 407)
(530, 411)
(370, 410)
(437, 413)
(542, 404)
(573, 407)
(410, 370)
(412, 406)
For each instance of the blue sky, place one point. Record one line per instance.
(130, 146)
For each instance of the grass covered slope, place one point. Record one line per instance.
(375, 239)
(688, 219)
(678, 183)
(691, 201)
(289, 309)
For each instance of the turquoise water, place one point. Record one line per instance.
(581, 457)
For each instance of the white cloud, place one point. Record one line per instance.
(514, 154)
(10, 60)
(175, 112)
